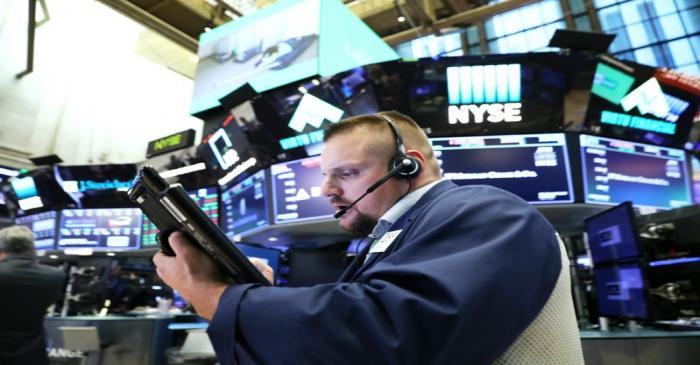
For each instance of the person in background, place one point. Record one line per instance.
(27, 289)
(451, 274)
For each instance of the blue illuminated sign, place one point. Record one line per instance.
(631, 121)
(85, 185)
(301, 140)
(483, 84)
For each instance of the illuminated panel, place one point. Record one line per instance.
(244, 206)
(483, 84)
(615, 171)
(533, 166)
(43, 225)
(296, 191)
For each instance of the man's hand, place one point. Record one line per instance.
(192, 273)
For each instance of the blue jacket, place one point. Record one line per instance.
(471, 268)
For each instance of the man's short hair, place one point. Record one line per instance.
(413, 136)
(371, 121)
(16, 240)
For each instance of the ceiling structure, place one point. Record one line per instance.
(182, 21)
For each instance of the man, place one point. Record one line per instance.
(27, 289)
(451, 274)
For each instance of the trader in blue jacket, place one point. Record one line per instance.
(450, 275)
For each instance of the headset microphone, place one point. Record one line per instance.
(374, 186)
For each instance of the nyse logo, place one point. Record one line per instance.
(509, 112)
(484, 93)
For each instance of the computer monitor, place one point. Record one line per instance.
(270, 256)
(612, 234)
(621, 291)
(532, 166)
(108, 229)
(206, 198)
(615, 171)
(244, 206)
(43, 225)
(296, 191)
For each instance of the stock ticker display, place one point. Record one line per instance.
(43, 225)
(615, 171)
(244, 206)
(206, 198)
(100, 229)
(532, 166)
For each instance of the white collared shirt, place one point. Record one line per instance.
(394, 213)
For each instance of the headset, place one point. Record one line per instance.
(400, 165)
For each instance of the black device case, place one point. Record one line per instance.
(171, 209)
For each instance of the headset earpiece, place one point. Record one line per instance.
(411, 166)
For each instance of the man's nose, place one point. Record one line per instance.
(328, 188)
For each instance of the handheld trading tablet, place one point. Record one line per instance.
(171, 209)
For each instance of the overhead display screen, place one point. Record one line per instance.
(100, 229)
(532, 166)
(267, 49)
(296, 191)
(244, 206)
(43, 225)
(206, 198)
(641, 103)
(615, 171)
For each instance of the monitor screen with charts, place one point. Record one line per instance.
(296, 191)
(532, 166)
(109, 229)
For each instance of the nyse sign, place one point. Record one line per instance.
(478, 113)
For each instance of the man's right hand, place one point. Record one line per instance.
(192, 273)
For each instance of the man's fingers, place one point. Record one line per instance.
(179, 243)
(265, 269)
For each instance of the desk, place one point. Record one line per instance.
(642, 347)
(133, 340)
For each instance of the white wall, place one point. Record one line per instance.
(91, 98)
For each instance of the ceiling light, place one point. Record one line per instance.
(401, 19)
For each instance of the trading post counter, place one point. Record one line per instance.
(641, 347)
(135, 340)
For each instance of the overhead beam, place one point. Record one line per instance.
(456, 6)
(150, 21)
(470, 16)
(417, 9)
(31, 27)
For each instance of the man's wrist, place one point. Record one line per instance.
(205, 299)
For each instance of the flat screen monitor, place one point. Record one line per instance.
(206, 198)
(37, 190)
(612, 234)
(270, 256)
(43, 225)
(642, 103)
(615, 171)
(621, 291)
(97, 186)
(696, 179)
(296, 191)
(244, 206)
(111, 229)
(532, 166)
